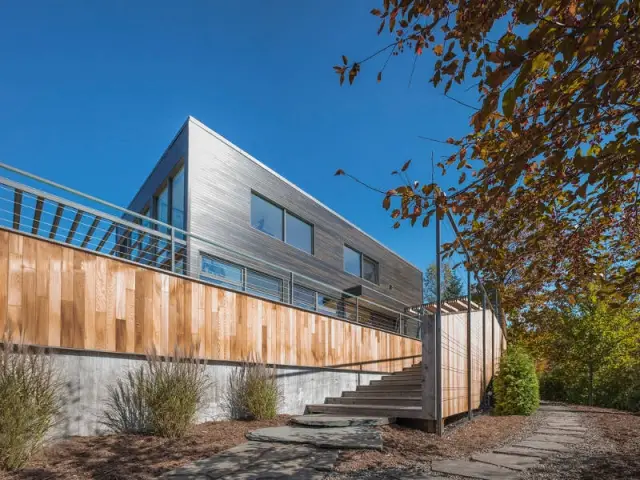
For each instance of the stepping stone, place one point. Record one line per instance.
(260, 460)
(558, 431)
(514, 462)
(567, 429)
(338, 437)
(524, 451)
(320, 420)
(465, 468)
(556, 438)
(551, 446)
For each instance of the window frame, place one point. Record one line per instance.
(363, 257)
(284, 212)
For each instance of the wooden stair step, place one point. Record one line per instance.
(392, 411)
(369, 400)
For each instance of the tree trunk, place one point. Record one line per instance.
(590, 384)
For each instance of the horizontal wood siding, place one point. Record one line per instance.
(221, 179)
(64, 297)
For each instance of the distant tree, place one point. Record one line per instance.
(451, 284)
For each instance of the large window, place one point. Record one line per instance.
(222, 273)
(360, 265)
(304, 297)
(266, 217)
(281, 224)
(177, 200)
(299, 233)
(162, 207)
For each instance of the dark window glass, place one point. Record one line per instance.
(299, 233)
(304, 297)
(352, 260)
(328, 305)
(369, 269)
(264, 285)
(177, 200)
(222, 273)
(162, 208)
(266, 217)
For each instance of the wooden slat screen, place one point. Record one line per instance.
(61, 296)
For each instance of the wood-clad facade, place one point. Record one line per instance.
(61, 296)
(220, 180)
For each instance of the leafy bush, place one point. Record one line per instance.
(30, 401)
(516, 384)
(253, 391)
(162, 397)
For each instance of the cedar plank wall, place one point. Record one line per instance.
(65, 297)
(454, 359)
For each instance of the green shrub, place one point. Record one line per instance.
(253, 392)
(30, 402)
(516, 384)
(162, 397)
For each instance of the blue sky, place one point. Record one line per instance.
(92, 92)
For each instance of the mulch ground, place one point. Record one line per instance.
(136, 457)
(405, 447)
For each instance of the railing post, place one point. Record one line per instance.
(357, 311)
(173, 250)
(401, 325)
(469, 350)
(291, 280)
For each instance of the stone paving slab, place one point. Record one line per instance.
(524, 451)
(558, 431)
(338, 437)
(550, 446)
(321, 420)
(253, 461)
(567, 429)
(514, 462)
(465, 468)
(570, 439)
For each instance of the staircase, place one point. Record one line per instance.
(398, 395)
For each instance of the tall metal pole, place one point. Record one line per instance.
(484, 344)
(469, 396)
(438, 330)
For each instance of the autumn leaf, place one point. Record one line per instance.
(339, 172)
(406, 165)
(438, 50)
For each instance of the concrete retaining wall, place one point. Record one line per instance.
(87, 376)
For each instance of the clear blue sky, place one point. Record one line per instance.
(92, 92)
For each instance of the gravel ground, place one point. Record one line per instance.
(134, 457)
(409, 452)
(611, 450)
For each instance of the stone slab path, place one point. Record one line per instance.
(561, 432)
(331, 437)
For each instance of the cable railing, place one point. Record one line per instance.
(73, 218)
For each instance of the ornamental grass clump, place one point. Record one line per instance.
(253, 392)
(162, 397)
(30, 401)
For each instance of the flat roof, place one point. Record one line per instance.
(291, 184)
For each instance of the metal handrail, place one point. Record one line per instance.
(171, 240)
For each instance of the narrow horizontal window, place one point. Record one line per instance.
(264, 285)
(266, 217)
(220, 272)
(304, 297)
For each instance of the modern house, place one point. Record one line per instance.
(219, 253)
(259, 227)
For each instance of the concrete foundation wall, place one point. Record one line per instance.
(87, 375)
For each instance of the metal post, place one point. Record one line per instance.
(484, 343)
(401, 324)
(469, 397)
(291, 279)
(357, 311)
(493, 333)
(173, 250)
(438, 335)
